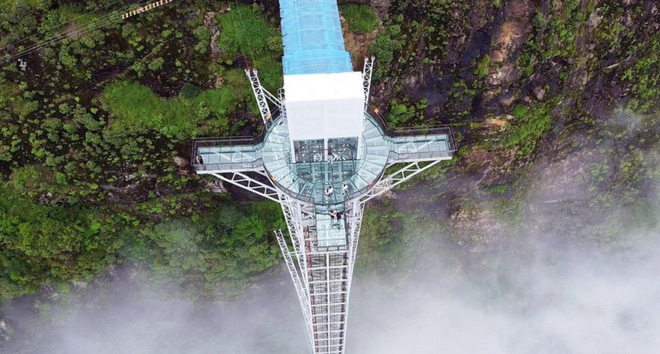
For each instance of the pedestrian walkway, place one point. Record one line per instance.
(312, 38)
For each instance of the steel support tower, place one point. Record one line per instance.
(324, 152)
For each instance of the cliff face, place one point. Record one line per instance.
(555, 105)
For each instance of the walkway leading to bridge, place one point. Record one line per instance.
(312, 38)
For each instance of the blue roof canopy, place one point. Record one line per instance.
(312, 38)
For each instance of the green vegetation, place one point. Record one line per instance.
(384, 48)
(642, 76)
(417, 29)
(406, 114)
(94, 138)
(221, 250)
(137, 106)
(556, 30)
(360, 18)
(383, 233)
(245, 30)
(529, 126)
(483, 66)
(95, 133)
(53, 245)
(42, 244)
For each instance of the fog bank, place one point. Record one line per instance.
(554, 301)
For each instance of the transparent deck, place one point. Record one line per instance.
(310, 180)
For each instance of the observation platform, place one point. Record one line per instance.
(359, 169)
(309, 181)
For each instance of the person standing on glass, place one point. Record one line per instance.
(329, 191)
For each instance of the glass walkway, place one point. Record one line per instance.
(311, 180)
(312, 38)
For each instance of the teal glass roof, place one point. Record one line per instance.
(312, 38)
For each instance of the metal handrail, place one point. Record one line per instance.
(258, 163)
(366, 188)
(231, 140)
(287, 191)
(239, 141)
(418, 155)
(410, 131)
(234, 140)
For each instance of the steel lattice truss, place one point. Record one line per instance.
(261, 95)
(322, 279)
(367, 71)
(321, 275)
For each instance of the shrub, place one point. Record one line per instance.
(189, 91)
(360, 18)
(482, 67)
(529, 127)
(136, 107)
(156, 64)
(245, 30)
(384, 48)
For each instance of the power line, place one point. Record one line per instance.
(115, 16)
(62, 25)
(60, 36)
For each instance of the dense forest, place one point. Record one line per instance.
(97, 116)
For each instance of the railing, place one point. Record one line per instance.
(418, 155)
(257, 141)
(233, 166)
(301, 197)
(366, 188)
(410, 131)
(399, 132)
(224, 141)
(235, 140)
(230, 141)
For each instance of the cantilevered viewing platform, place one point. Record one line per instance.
(349, 171)
(309, 171)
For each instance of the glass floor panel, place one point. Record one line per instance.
(330, 232)
(425, 146)
(312, 179)
(230, 157)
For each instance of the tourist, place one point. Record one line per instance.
(329, 191)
